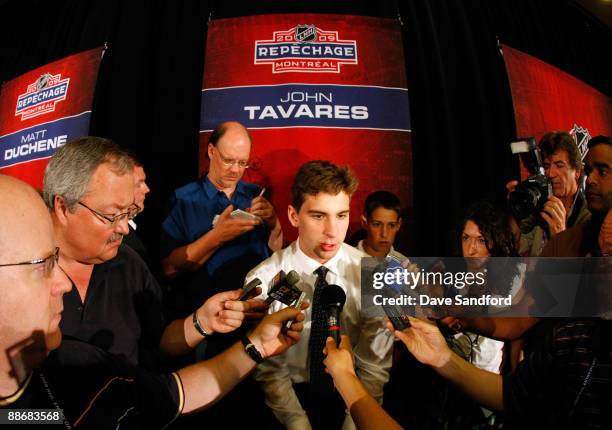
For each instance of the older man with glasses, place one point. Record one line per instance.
(206, 249)
(76, 384)
(203, 240)
(115, 302)
(190, 239)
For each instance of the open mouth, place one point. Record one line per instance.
(328, 246)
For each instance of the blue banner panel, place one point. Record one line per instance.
(307, 105)
(41, 141)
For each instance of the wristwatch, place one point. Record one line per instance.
(251, 350)
(198, 326)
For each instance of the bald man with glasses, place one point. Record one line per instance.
(206, 249)
(192, 240)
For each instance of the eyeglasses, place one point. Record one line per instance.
(113, 221)
(228, 162)
(48, 261)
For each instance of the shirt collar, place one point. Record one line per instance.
(211, 191)
(309, 265)
(208, 187)
(360, 247)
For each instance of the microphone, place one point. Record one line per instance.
(332, 300)
(248, 291)
(282, 288)
(292, 277)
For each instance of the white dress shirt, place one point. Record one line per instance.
(372, 343)
(392, 252)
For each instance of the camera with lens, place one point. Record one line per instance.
(529, 196)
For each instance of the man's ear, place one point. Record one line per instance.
(399, 223)
(292, 214)
(364, 221)
(210, 150)
(60, 210)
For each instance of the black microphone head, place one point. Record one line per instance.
(333, 296)
(292, 278)
(254, 283)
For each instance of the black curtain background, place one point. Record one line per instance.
(148, 92)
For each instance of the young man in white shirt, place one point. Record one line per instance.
(321, 194)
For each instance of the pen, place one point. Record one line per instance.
(263, 190)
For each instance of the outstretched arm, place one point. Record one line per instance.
(221, 313)
(364, 409)
(206, 382)
(426, 343)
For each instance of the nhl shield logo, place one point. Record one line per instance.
(305, 33)
(581, 136)
(43, 81)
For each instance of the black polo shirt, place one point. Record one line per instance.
(97, 390)
(122, 312)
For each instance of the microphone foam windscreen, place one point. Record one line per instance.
(333, 295)
(292, 277)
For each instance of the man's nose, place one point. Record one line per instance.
(60, 282)
(591, 178)
(122, 226)
(383, 231)
(331, 227)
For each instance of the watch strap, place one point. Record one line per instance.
(251, 350)
(198, 326)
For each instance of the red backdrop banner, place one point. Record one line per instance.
(548, 99)
(309, 87)
(41, 110)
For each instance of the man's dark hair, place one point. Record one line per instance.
(494, 224)
(598, 140)
(384, 199)
(321, 176)
(560, 140)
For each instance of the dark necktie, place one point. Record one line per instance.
(321, 384)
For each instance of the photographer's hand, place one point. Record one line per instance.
(554, 214)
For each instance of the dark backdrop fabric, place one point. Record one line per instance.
(148, 92)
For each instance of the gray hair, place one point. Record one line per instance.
(71, 168)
